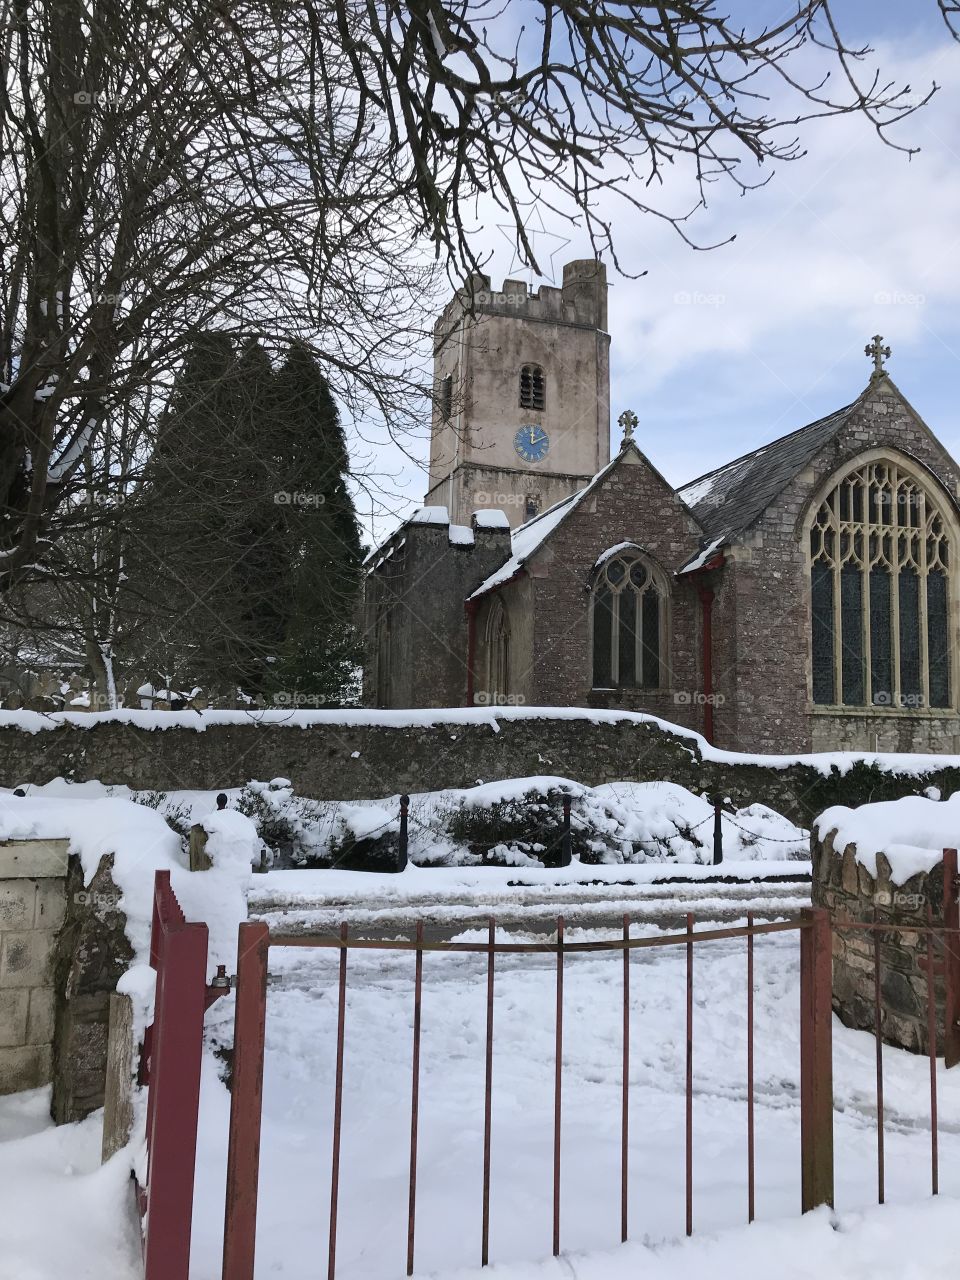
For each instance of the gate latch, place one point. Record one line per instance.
(220, 985)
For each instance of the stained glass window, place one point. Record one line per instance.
(628, 625)
(879, 552)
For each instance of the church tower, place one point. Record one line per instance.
(521, 415)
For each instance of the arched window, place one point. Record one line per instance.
(533, 387)
(445, 397)
(880, 557)
(498, 652)
(629, 625)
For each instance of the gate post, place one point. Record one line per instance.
(951, 961)
(177, 1047)
(246, 1102)
(816, 1059)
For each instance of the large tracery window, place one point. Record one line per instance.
(629, 622)
(880, 561)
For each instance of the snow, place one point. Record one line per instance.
(301, 1034)
(461, 535)
(615, 551)
(63, 1213)
(491, 519)
(703, 556)
(233, 843)
(525, 540)
(142, 843)
(911, 833)
(431, 717)
(697, 490)
(430, 515)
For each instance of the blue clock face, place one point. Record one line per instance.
(532, 443)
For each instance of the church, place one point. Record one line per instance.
(799, 598)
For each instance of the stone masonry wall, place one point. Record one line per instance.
(359, 756)
(32, 901)
(851, 893)
(770, 704)
(92, 953)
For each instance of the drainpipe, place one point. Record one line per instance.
(706, 613)
(471, 608)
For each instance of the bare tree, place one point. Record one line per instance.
(269, 167)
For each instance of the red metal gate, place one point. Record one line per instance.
(816, 1094)
(170, 1066)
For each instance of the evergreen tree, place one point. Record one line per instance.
(248, 538)
(321, 652)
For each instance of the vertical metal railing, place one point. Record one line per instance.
(816, 1083)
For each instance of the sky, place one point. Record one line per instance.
(720, 351)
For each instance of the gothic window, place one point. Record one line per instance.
(533, 387)
(879, 565)
(498, 652)
(629, 625)
(531, 506)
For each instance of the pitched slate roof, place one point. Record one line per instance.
(728, 500)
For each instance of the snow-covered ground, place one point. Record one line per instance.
(62, 1214)
(295, 1154)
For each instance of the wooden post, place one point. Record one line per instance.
(816, 1059)
(118, 1089)
(199, 858)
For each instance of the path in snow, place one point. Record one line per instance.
(532, 906)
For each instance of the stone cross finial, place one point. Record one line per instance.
(627, 421)
(878, 353)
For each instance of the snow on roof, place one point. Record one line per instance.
(491, 519)
(430, 515)
(702, 556)
(530, 536)
(461, 535)
(911, 833)
(615, 550)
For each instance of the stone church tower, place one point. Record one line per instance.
(521, 415)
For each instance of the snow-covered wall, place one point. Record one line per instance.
(359, 754)
(883, 863)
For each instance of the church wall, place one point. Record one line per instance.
(633, 504)
(774, 711)
(726, 726)
(481, 343)
(477, 488)
(518, 600)
(424, 584)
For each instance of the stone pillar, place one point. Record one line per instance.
(92, 953)
(32, 899)
(850, 892)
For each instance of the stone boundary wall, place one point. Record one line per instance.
(366, 755)
(850, 892)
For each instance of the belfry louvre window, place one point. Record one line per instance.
(879, 569)
(628, 626)
(533, 387)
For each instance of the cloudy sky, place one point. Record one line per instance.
(718, 352)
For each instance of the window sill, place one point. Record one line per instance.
(884, 713)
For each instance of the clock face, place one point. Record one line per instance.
(532, 443)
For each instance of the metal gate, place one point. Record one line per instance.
(816, 1093)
